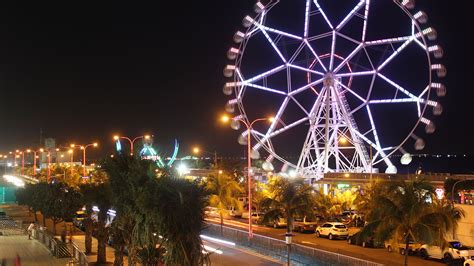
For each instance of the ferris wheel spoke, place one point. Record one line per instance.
(299, 105)
(314, 83)
(264, 88)
(398, 87)
(306, 69)
(376, 138)
(349, 57)
(395, 53)
(315, 54)
(349, 16)
(389, 40)
(277, 119)
(287, 127)
(306, 18)
(279, 32)
(264, 74)
(333, 47)
(351, 91)
(323, 14)
(366, 18)
(355, 74)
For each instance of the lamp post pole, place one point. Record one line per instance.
(131, 141)
(452, 190)
(84, 156)
(249, 167)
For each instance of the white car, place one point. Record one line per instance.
(454, 251)
(333, 230)
(469, 262)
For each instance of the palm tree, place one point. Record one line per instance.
(409, 210)
(180, 219)
(290, 198)
(223, 194)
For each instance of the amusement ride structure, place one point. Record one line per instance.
(351, 84)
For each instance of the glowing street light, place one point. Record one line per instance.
(117, 137)
(83, 148)
(248, 125)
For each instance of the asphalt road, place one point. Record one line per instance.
(339, 246)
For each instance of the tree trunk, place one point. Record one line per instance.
(118, 255)
(88, 237)
(44, 220)
(101, 239)
(36, 216)
(54, 227)
(222, 224)
(407, 243)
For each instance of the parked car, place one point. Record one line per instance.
(234, 212)
(280, 222)
(257, 217)
(333, 230)
(469, 262)
(211, 212)
(454, 251)
(304, 224)
(3, 215)
(78, 220)
(369, 241)
(413, 247)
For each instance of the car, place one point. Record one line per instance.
(277, 223)
(234, 211)
(305, 224)
(333, 230)
(3, 215)
(469, 262)
(211, 212)
(369, 241)
(257, 217)
(78, 219)
(413, 247)
(455, 250)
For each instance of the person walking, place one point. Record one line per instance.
(17, 260)
(30, 230)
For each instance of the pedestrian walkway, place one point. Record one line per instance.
(79, 240)
(31, 252)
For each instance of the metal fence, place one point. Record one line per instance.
(300, 255)
(11, 227)
(60, 249)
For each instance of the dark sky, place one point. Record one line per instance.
(82, 71)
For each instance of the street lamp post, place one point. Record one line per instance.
(49, 163)
(131, 141)
(452, 190)
(249, 162)
(23, 160)
(83, 148)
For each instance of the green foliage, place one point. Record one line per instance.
(409, 210)
(290, 198)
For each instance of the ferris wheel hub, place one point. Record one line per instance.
(329, 80)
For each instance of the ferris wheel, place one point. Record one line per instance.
(351, 84)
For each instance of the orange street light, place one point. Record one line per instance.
(248, 125)
(196, 150)
(117, 138)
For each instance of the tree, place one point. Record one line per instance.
(180, 216)
(409, 210)
(290, 198)
(223, 194)
(60, 203)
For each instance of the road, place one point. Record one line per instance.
(227, 254)
(338, 246)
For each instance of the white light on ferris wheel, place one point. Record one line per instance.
(311, 161)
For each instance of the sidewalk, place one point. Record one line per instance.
(31, 252)
(79, 240)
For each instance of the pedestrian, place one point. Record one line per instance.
(30, 230)
(17, 260)
(63, 236)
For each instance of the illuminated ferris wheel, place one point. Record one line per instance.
(350, 83)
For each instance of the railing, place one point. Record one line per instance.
(60, 249)
(78, 257)
(300, 255)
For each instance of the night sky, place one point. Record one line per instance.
(82, 71)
